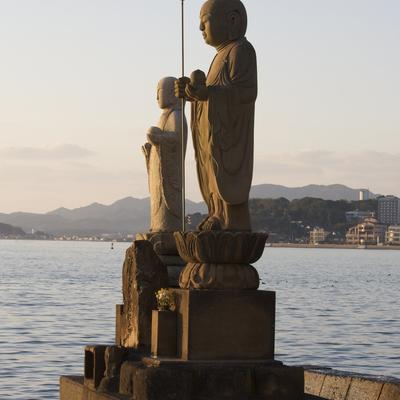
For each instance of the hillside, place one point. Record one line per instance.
(130, 215)
(6, 229)
(325, 192)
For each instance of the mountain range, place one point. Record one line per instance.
(131, 215)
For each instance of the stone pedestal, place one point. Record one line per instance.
(152, 379)
(220, 259)
(225, 325)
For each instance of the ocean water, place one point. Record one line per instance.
(335, 308)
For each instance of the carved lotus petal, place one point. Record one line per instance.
(220, 247)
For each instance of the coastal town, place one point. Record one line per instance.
(367, 222)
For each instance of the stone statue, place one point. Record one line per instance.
(163, 153)
(223, 116)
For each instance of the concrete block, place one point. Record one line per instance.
(390, 391)
(335, 387)
(279, 383)
(225, 325)
(233, 383)
(163, 334)
(364, 389)
(94, 365)
(162, 384)
(313, 382)
(143, 275)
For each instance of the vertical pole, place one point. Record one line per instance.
(183, 120)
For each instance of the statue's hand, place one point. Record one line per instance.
(153, 135)
(197, 93)
(180, 87)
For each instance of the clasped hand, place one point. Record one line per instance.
(185, 90)
(153, 135)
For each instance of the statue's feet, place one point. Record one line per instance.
(210, 224)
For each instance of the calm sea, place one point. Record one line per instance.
(336, 308)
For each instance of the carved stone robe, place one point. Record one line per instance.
(223, 126)
(164, 170)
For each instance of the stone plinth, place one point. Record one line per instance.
(220, 259)
(153, 379)
(225, 325)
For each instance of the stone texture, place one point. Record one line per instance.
(222, 325)
(162, 384)
(364, 389)
(335, 387)
(275, 383)
(200, 380)
(94, 365)
(163, 242)
(220, 259)
(143, 274)
(313, 382)
(127, 373)
(72, 388)
(163, 334)
(114, 357)
(163, 153)
(222, 116)
(390, 391)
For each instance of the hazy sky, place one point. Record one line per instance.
(78, 84)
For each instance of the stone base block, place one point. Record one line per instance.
(170, 379)
(225, 325)
(163, 334)
(94, 365)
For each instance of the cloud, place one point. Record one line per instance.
(64, 151)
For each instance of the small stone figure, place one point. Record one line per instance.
(163, 153)
(223, 116)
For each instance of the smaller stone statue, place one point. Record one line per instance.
(163, 153)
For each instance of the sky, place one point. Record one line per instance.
(78, 93)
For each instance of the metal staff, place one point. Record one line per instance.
(183, 118)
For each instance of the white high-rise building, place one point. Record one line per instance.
(363, 194)
(389, 210)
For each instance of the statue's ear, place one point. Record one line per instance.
(235, 25)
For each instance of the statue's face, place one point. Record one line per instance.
(165, 93)
(213, 24)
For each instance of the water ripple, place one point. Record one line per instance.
(334, 308)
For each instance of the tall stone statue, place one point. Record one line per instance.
(163, 153)
(223, 116)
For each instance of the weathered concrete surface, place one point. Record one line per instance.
(163, 334)
(159, 379)
(335, 387)
(72, 388)
(330, 384)
(225, 325)
(143, 274)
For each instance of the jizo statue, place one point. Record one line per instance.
(223, 116)
(163, 159)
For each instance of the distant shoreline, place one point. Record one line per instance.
(332, 246)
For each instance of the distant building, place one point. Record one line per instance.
(393, 235)
(368, 232)
(363, 194)
(389, 210)
(357, 216)
(318, 235)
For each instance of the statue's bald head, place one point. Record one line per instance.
(232, 12)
